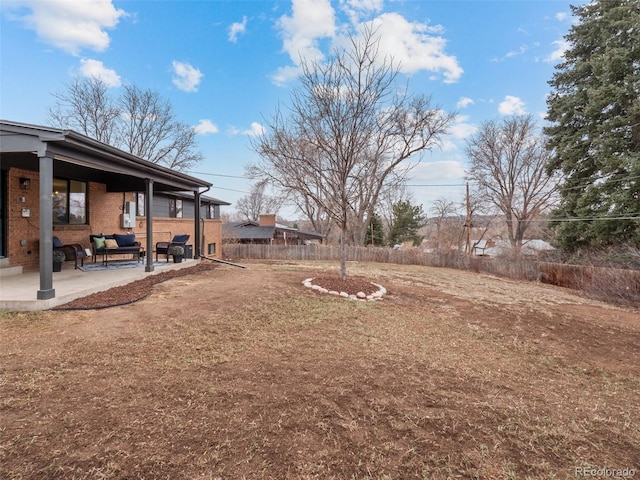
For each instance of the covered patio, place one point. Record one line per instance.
(17, 292)
(50, 153)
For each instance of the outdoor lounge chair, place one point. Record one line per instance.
(164, 248)
(71, 251)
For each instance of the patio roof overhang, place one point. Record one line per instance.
(78, 156)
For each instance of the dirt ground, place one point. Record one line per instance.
(228, 373)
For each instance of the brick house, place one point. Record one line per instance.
(60, 183)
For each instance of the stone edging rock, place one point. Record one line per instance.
(361, 296)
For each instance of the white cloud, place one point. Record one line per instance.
(206, 127)
(561, 16)
(558, 53)
(285, 74)
(438, 170)
(255, 130)
(363, 5)
(236, 29)
(356, 9)
(96, 69)
(461, 128)
(68, 25)
(186, 77)
(310, 20)
(515, 53)
(413, 46)
(511, 106)
(464, 102)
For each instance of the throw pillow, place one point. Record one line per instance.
(99, 241)
(110, 243)
(127, 240)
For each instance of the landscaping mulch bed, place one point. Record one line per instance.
(131, 292)
(135, 291)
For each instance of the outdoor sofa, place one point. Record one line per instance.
(115, 244)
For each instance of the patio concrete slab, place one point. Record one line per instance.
(19, 292)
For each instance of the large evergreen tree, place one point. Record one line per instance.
(594, 136)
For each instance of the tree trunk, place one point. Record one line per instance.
(343, 253)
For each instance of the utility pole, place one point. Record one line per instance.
(468, 222)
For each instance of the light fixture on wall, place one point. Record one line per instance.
(25, 183)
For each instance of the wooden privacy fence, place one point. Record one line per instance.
(583, 277)
(603, 281)
(325, 252)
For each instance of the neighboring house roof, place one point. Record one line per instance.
(206, 198)
(529, 247)
(251, 230)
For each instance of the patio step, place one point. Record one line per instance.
(8, 271)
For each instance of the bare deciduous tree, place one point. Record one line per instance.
(257, 202)
(348, 130)
(443, 211)
(313, 212)
(396, 192)
(508, 169)
(139, 122)
(87, 108)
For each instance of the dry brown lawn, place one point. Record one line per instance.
(234, 374)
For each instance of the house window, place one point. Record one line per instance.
(175, 208)
(211, 249)
(69, 202)
(213, 212)
(140, 205)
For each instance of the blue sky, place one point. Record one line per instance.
(225, 65)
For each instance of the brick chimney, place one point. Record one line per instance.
(267, 220)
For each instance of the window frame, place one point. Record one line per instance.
(175, 207)
(68, 201)
(140, 204)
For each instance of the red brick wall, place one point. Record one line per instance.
(165, 228)
(104, 211)
(23, 233)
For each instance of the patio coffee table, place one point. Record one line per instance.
(132, 250)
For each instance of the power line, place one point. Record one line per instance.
(589, 219)
(576, 187)
(438, 185)
(623, 179)
(613, 180)
(231, 190)
(218, 175)
(583, 219)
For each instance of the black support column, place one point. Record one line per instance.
(197, 248)
(46, 228)
(148, 211)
